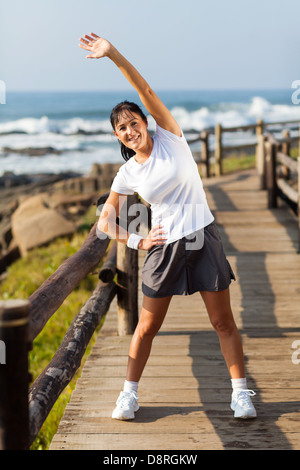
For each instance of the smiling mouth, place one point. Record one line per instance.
(134, 139)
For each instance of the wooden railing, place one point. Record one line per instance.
(208, 158)
(281, 174)
(23, 409)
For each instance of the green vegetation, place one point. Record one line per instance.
(235, 162)
(244, 161)
(294, 152)
(24, 277)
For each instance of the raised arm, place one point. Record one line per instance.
(100, 47)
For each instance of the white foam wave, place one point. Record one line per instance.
(235, 114)
(80, 162)
(227, 114)
(58, 142)
(48, 139)
(203, 118)
(76, 125)
(26, 125)
(42, 125)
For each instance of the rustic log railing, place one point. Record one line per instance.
(23, 410)
(207, 156)
(281, 176)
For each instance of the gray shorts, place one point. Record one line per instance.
(191, 264)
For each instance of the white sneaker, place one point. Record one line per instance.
(242, 405)
(127, 405)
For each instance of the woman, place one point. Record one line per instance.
(185, 253)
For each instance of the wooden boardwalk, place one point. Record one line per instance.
(185, 390)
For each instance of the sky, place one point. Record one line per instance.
(175, 44)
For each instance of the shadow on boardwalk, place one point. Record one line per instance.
(261, 433)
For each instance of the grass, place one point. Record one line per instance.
(244, 161)
(294, 152)
(24, 277)
(236, 162)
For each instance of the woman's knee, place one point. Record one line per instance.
(148, 328)
(219, 311)
(152, 316)
(223, 325)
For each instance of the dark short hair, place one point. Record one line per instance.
(130, 108)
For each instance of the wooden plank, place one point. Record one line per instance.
(184, 371)
(264, 380)
(189, 360)
(162, 410)
(196, 352)
(200, 342)
(191, 441)
(180, 419)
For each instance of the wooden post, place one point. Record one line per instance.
(205, 154)
(286, 151)
(286, 145)
(127, 270)
(109, 269)
(261, 160)
(14, 376)
(218, 150)
(259, 133)
(271, 175)
(298, 160)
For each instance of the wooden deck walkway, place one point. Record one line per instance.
(188, 406)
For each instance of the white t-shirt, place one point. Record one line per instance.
(169, 181)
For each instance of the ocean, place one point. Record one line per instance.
(71, 130)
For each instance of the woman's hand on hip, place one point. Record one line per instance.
(155, 237)
(99, 47)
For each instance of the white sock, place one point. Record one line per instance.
(130, 386)
(239, 384)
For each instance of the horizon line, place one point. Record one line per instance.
(158, 90)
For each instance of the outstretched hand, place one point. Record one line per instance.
(99, 47)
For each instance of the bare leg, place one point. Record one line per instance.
(151, 318)
(221, 317)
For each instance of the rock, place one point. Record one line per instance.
(65, 201)
(67, 194)
(33, 151)
(104, 169)
(35, 223)
(28, 182)
(72, 205)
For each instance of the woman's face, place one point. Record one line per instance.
(131, 130)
